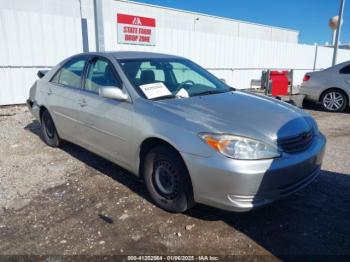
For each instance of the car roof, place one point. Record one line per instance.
(134, 55)
(337, 66)
(343, 64)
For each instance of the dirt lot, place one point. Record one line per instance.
(70, 201)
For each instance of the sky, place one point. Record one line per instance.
(309, 17)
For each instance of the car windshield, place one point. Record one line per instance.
(171, 78)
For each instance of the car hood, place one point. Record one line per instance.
(238, 113)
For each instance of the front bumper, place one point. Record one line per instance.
(242, 185)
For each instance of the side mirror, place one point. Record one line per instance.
(42, 73)
(113, 92)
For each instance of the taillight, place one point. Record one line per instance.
(306, 78)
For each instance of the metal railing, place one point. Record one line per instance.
(261, 68)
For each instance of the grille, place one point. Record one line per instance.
(296, 143)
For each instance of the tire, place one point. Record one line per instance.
(334, 100)
(48, 130)
(167, 180)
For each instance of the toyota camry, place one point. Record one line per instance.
(187, 134)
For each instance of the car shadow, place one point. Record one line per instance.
(98, 163)
(316, 106)
(313, 221)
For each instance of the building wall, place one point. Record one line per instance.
(233, 50)
(193, 22)
(37, 34)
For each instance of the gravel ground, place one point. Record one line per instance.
(70, 201)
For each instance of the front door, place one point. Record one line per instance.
(108, 121)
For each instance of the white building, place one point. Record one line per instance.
(37, 34)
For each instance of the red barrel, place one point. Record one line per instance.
(279, 86)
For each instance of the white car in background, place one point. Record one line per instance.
(331, 87)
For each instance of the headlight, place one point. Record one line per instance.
(238, 147)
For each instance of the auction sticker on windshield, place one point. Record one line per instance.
(155, 90)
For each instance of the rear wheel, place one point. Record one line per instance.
(48, 130)
(334, 100)
(167, 179)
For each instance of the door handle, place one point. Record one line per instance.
(82, 102)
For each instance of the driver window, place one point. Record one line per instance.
(183, 73)
(100, 74)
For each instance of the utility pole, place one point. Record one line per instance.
(99, 34)
(336, 45)
(84, 30)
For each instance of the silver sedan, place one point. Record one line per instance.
(331, 87)
(192, 138)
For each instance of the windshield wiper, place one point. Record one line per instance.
(209, 92)
(163, 97)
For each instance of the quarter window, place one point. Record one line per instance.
(345, 70)
(100, 74)
(71, 73)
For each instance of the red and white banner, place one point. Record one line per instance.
(136, 30)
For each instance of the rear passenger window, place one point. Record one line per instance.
(71, 73)
(345, 70)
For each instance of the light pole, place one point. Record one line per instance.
(99, 31)
(333, 24)
(194, 23)
(336, 45)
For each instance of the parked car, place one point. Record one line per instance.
(331, 87)
(191, 137)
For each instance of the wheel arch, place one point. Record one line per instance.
(335, 88)
(41, 110)
(151, 142)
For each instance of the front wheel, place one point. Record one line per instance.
(334, 100)
(167, 180)
(48, 130)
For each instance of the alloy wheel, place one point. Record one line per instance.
(333, 101)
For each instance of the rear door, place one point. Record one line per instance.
(63, 93)
(108, 121)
